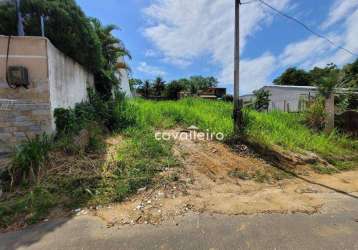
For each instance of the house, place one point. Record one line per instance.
(286, 98)
(212, 93)
(51, 80)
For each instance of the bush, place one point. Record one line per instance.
(121, 113)
(262, 100)
(315, 115)
(35, 203)
(228, 98)
(29, 158)
(114, 114)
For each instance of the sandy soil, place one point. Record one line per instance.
(217, 179)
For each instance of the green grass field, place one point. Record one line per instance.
(275, 128)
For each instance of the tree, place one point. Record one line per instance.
(146, 88)
(173, 89)
(112, 50)
(294, 77)
(135, 83)
(159, 86)
(197, 83)
(350, 72)
(262, 100)
(84, 39)
(67, 27)
(321, 74)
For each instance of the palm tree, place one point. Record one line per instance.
(112, 50)
(112, 47)
(159, 85)
(146, 88)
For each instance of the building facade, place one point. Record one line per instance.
(286, 98)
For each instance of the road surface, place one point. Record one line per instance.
(334, 228)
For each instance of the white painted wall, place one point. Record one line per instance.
(68, 80)
(122, 75)
(283, 97)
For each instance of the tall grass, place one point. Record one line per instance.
(205, 114)
(287, 130)
(274, 128)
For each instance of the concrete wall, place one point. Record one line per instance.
(55, 81)
(288, 98)
(68, 80)
(122, 75)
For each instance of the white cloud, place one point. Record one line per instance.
(151, 53)
(256, 72)
(315, 51)
(185, 30)
(150, 70)
(339, 11)
(306, 51)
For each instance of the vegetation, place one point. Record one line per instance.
(262, 100)
(82, 175)
(269, 129)
(171, 90)
(29, 160)
(67, 27)
(137, 163)
(347, 76)
(315, 115)
(294, 77)
(84, 39)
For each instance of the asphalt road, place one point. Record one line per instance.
(336, 229)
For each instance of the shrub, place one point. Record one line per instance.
(66, 121)
(29, 158)
(121, 114)
(36, 204)
(115, 114)
(315, 115)
(262, 100)
(228, 98)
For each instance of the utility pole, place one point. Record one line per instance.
(42, 19)
(20, 26)
(237, 103)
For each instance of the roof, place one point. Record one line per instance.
(291, 87)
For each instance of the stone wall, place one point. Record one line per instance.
(55, 81)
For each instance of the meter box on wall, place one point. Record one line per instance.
(18, 76)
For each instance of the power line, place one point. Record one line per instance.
(303, 25)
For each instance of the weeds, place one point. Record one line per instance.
(269, 129)
(138, 161)
(29, 159)
(35, 204)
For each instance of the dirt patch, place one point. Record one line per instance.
(218, 179)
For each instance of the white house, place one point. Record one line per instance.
(286, 98)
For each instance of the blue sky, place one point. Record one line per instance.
(178, 39)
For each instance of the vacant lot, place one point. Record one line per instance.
(151, 180)
(270, 130)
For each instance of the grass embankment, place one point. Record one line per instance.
(268, 129)
(73, 171)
